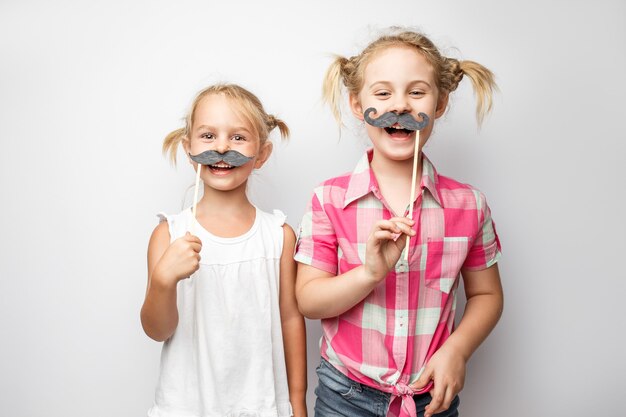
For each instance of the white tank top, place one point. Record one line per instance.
(226, 357)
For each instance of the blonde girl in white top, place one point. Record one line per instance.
(222, 299)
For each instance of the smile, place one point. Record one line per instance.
(398, 133)
(398, 130)
(221, 166)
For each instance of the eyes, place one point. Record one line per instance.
(384, 94)
(208, 136)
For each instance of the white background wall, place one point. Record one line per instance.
(89, 89)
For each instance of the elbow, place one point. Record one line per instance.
(153, 330)
(501, 306)
(154, 334)
(497, 307)
(157, 337)
(308, 312)
(314, 312)
(306, 307)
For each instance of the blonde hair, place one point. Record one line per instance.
(250, 106)
(448, 72)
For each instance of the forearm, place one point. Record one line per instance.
(330, 296)
(482, 312)
(159, 313)
(294, 341)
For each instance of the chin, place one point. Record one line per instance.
(395, 154)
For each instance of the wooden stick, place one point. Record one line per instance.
(413, 180)
(195, 200)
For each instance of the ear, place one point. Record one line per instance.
(355, 106)
(187, 148)
(442, 105)
(264, 154)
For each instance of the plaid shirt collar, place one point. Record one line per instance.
(359, 185)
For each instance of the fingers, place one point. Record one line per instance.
(192, 238)
(390, 229)
(424, 379)
(405, 224)
(447, 399)
(189, 247)
(441, 400)
(436, 401)
(385, 235)
(196, 247)
(194, 242)
(383, 248)
(442, 397)
(404, 220)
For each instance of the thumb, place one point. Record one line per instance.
(424, 379)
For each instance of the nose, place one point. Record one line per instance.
(400, 104)
(222, 144)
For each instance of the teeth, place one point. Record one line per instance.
(221, 165)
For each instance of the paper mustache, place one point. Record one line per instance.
(390, 118)
(232, 158)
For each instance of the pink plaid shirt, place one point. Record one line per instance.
(385, 340)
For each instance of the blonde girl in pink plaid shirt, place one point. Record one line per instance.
(389, 344)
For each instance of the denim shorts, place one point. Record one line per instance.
(339, 396)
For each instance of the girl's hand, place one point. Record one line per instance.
(446, 369)
(384, 246)
(179, 261)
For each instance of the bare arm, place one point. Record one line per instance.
(483, 309)
(485, 301)
(293, 327)
(167, 264)
(321, 294)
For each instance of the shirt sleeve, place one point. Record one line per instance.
(317, 242)
(485, 250)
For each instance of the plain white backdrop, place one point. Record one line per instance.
(88, 90)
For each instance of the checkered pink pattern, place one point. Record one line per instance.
(385, 340)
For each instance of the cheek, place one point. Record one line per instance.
(372, 131)
(196, 146)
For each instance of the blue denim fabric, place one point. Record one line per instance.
(339, 396)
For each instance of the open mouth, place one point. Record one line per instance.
(398, 131)
(221, 166)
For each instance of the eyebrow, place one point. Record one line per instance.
(386, 83)
(231, 128)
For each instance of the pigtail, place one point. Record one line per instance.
(484, 85)
(171, 142)
(331, 88)
(273, 122)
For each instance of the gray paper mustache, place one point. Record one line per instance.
(391, 118)
(231, 157)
